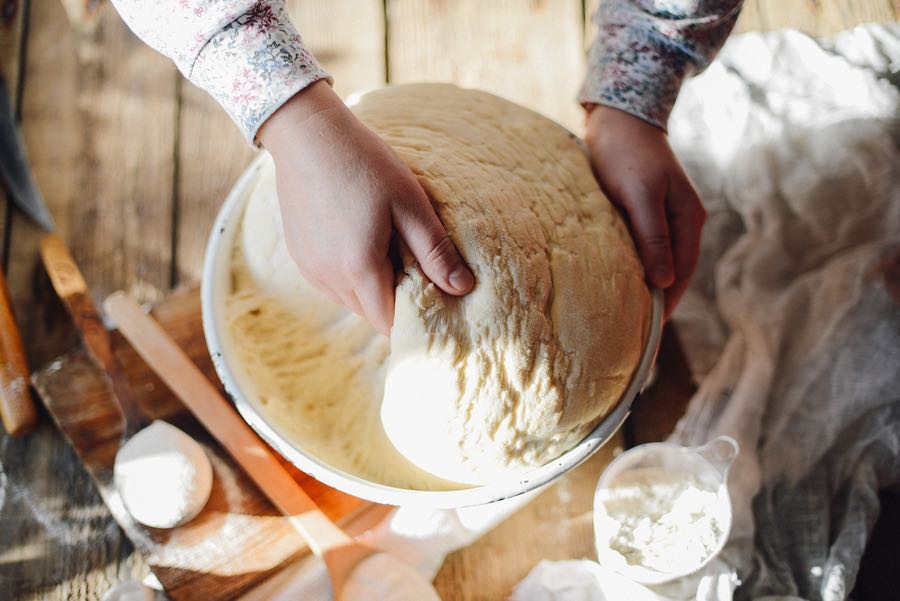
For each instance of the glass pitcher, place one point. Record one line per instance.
(705, 467)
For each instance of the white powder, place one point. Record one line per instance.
(663, 520)
(163, 475)
(383, 577)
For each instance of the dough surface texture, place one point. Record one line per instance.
(469, 389)
(517, 372)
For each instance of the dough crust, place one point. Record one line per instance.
(518, 371)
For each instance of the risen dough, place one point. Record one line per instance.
(510, 376)
(478, 387)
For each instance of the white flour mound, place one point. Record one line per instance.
(383, 577)
(663, 520)
(163, 475)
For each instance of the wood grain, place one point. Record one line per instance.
(17, 409)
(239, 537)
(347, 36)
(556, 525)
(58, 540)
(531, 52)
(99, 127)
(12, 39)
(824, 17)
(815, 17)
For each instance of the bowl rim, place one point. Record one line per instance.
(217, 273)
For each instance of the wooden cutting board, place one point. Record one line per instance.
(239, 538)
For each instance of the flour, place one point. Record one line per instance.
(383, 577)
(163, 475)
(663, 520)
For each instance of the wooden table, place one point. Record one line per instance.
(134, 162)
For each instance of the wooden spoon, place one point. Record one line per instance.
(69, 284)
(339, 551)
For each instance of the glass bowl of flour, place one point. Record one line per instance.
(662, 511)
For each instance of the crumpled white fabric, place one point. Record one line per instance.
(787, 323)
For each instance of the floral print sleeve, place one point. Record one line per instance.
(246, 53)
(644, 49)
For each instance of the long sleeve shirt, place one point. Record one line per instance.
(250, 58)
(644, 50)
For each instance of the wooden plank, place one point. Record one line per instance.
(99, 122)
(826, 17)
(531, 53)
(58, 540)
(12, 37)
(557, 525)
(54, 537)
(346, 36)
(98, 119)
(751, 18)
(12, 23)
(239, 538)
(211, 155)
(815, 17)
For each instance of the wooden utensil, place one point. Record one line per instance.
(73, 291)
(17, 410)
(239, 540)
(340, 552)
(16, 406)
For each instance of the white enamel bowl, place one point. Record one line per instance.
(216, 283)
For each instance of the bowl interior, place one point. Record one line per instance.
(671, 458)
(215, 287)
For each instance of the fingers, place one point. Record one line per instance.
(686, 217)
(375, 291)
(646, 208)
(424, 234)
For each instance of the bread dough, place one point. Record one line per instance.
(315, 368)
(163, 476)
(512, 375)
(474, 388)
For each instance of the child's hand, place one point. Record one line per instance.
(343, 193)
(638, 170)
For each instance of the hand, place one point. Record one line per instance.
(343, 194)
(637, 169)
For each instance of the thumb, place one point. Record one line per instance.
(424, 234)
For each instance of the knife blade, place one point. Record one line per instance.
(14, 168)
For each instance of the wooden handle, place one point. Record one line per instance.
(179, 373)
(17, 408)
(73, 291)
